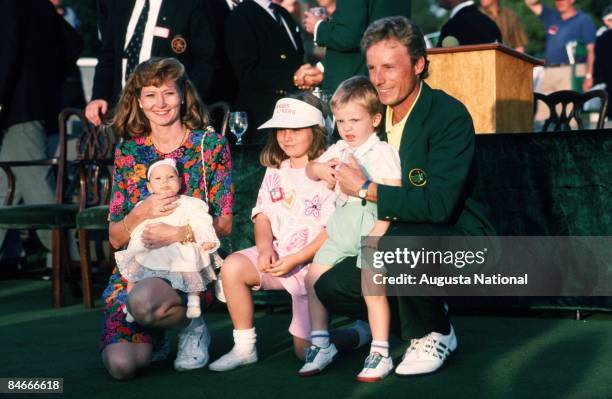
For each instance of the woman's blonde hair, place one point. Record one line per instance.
(130, 121)
(272, 155)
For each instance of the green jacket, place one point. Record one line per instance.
(437, 154)
(342, 33)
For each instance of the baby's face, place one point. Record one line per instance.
(164, 180)
(354, 123)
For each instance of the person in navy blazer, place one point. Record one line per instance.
(264, 59)
(183, 31)
(467, 25)
(224, 84)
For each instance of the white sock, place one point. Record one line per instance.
(381, 347)
(244, 340)
(320, 338)
(193, 300)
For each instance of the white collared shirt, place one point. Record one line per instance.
(459, 7)
(378, 160)
(147, 39)
(265, 4)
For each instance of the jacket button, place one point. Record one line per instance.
(283, 56)
(387, 217)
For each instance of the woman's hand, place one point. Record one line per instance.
(157, 205)
(283, 266)
(266, 258)
(159, 235)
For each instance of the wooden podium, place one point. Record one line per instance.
(494, 82)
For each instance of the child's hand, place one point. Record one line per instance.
(266, 258)
(208, 246)
(283, 266)
(327, 172)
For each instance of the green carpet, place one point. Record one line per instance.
(498, 357)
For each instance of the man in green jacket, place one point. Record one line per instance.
(435, 138)
(340, 35)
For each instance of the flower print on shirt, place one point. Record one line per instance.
(312, 207)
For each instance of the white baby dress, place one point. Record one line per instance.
(185, 266)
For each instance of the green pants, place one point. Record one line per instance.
(339, 289)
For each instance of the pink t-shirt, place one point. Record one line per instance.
(298, 208)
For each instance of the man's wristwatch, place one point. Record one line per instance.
(363, 192)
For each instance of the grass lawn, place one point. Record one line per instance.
(498, 357)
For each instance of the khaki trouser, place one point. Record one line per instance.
(555, 78)
(25, 142)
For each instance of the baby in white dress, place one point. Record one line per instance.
(189, 265)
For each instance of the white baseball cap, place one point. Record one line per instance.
(290, 113)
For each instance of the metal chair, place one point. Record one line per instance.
(566, 106)
(57, 217)
(219, 116)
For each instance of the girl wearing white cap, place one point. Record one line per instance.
(290, 217)
(188, 266)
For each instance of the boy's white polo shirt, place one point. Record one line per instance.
(378, 159)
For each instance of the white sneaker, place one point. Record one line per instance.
(376, 368)
(317, 359)
(426, 355)
(192, 347)
(233, 359)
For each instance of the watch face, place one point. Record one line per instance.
(362, 193)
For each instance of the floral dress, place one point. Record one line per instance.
(210, 180)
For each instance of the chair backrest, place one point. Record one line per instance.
(94, 160)
(566, 106)
(219, 116)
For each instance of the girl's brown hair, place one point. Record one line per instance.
(272, 155)
(130, 121)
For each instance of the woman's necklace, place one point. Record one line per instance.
(174, 146)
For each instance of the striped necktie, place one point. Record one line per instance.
(132, 51)
(277, 15)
